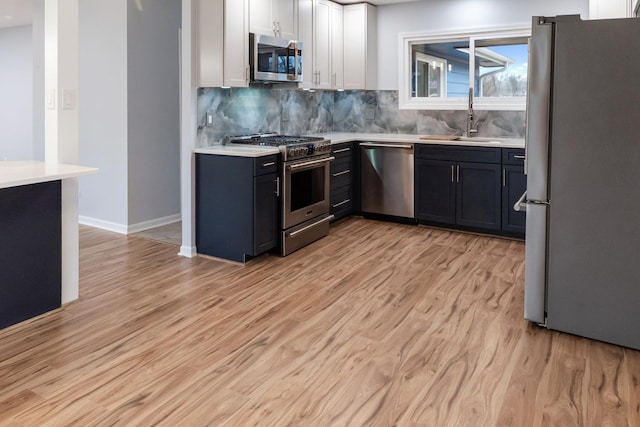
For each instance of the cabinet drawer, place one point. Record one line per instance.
(458, 153)
(341, 172)
(265, 164)
(341, 202)
(513, 156)
(343, 149)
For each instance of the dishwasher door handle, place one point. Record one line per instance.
(374, 145)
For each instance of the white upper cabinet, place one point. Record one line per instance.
(360, 47)
(337, 47)
(222, 43)
(322, 70)
(305, 16)
(278, 18)
(327, 45)
(608, 9)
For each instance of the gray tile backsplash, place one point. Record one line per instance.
(293, 112)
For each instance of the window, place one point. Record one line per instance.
(437, 71)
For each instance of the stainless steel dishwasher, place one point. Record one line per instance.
(386, 179)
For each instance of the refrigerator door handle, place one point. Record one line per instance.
(521, 204)
(535, 280)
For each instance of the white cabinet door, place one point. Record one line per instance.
(261, 19)
(609, 9)
(360, 47)
(210, 43)
(322, 44)
(286, 18)
(337, 47)
(305, 35)
(236, 43)
(278, 18)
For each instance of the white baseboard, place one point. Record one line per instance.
(129, 229)
(153, 223)
(102, 224)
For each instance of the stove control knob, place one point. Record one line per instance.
(291, 152)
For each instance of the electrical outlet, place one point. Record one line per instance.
(314, 111)
(209, 119)
(285, 115)
(369, 113)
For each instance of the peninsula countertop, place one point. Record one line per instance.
(16, 173)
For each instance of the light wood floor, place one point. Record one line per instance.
(378, 324)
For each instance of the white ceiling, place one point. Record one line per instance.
(15, 12)
(375, 2)
(19, 12)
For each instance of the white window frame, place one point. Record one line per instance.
(407, 40)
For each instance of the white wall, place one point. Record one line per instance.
(129, 113)
(433, 15)
(16, 89)
(38, 80)
(153, 110)
(102, 100)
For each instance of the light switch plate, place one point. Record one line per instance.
(51, 100)
(68, 99)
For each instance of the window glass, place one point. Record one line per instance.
(440, 70)
(501, 67)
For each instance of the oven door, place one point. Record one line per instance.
(305, 190)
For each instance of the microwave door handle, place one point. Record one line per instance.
(292, 46)
(295, 61)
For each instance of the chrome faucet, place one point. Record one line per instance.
(471, 130)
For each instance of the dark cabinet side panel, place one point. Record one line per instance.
(224, 206)
(30, 253)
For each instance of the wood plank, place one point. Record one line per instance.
(376, 324)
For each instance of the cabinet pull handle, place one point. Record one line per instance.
(277, 186)
(318, 77)
(452, 173)
(344, 202)
(246, 74)
(504, 177)
(342, 173)
(518, 157)
(342, 150)
(457, 173)
(334, 79)
(264, 165)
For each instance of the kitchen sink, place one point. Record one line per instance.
(475, 139)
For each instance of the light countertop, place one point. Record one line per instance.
(16, 173)
(415, 139)
(240, 150)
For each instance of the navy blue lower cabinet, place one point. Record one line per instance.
(265, 218)
(30, 251)
(435, 191)
(478, 195)
(513, 186)
(236, 206)
(343, 186)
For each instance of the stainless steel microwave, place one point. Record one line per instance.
(273, 59)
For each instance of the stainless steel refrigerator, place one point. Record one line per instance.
(582, 270)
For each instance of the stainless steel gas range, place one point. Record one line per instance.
(304, 194)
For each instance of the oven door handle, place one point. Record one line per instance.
(311, 163)
(294, 233)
